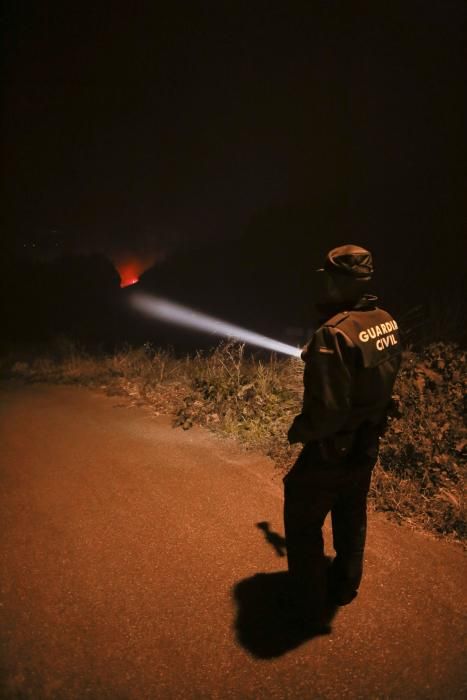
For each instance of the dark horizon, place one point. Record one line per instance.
(231, 146)
(80, 297)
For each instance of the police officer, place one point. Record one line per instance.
(351, 363)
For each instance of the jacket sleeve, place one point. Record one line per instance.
(328, 386)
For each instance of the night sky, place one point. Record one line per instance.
(131, 129)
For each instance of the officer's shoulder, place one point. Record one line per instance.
(336, 320)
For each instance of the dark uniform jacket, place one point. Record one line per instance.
(351, 363)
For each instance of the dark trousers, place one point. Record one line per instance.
(317, 484)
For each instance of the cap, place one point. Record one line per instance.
(349, 260)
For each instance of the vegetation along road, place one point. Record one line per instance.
(136, 562)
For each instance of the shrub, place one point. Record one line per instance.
(249, 398)
(424, 449)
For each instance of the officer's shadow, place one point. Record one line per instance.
(267, 624)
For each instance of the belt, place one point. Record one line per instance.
(337, 446)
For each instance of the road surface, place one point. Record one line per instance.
(132, 566)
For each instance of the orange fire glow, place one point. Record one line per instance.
(131, 268)
(126, 282)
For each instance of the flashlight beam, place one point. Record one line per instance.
(180, 315)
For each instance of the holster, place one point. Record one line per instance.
(359, 446)
(366, 446)
(337, 447)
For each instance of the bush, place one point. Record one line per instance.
(248, 398)
(424, 449)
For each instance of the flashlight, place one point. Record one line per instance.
(171, 312)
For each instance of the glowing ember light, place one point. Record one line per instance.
(131, 267)
(126, 282)
(180, 315)
(129, 273)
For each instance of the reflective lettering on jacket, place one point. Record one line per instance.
(383, 329)
(374, 332)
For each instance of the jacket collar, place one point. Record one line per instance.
(366, 303)
(326, 311)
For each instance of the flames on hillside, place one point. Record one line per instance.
(131, 267)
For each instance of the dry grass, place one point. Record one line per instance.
(420, 477)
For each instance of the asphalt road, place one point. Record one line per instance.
(132, 566)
